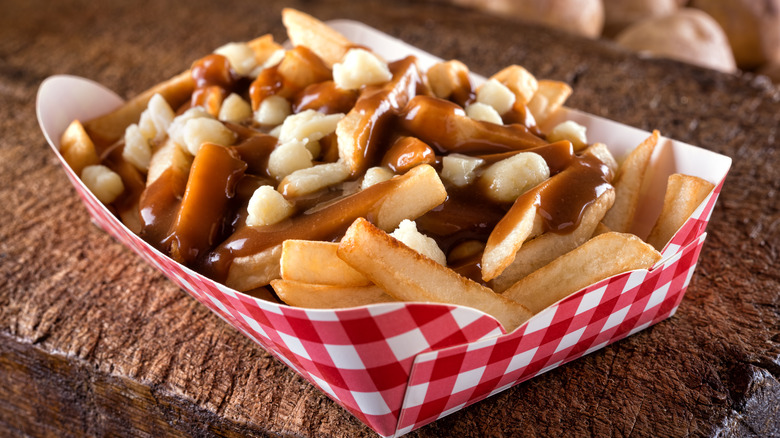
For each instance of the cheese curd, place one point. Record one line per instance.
(203, 130)
(497, 95)
(483, 112)
(234, 109)
(241, 57)
(407, 233)
(312, 179)
(287, 158)
(103, 182)
(267, 207)
(460, 169)
(176, 129)
(572, 131)
(360, 67)
(156, 118)
(509, 178)
(375, 175)
(273, 111)
(308, 126)
(136, 150)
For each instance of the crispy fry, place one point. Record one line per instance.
(508, 237)
(388, 203)
(522, 83)
(264, 46)
(316, 262)
(599, 258)
(215, 171)
(549, 96)
(628, 184)
(450, 80)
(683, 195)
(600, 229)
(359, 131)
(600, 151)
(305, 30)
(77, 148)
(407, 275)
(545, 248)
(325, 296)
(255, 270)
(109, 128)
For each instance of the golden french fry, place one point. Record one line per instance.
(255, 270)
(326, 296)
(316, 262)
(215, 171)
(628, 184)
(450, 80)
(522, 83)
(368, 120)
(408, 196)
(599, 258)
(77, 148)
(409, 276)
(600, 152)
(683, 195)
(549, 96)
(543, 249)
(264, 46)
(600, 229)
(519, 224)
(110, 127)
(305, 30)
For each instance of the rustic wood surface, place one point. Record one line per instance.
(95, 342)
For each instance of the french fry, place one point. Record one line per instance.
(600, 151)
(522, 83)
(549, 96)
(324, 296)
(516, 227)
(388, 203)
(358, 131)
(264, 46)
(683, 195)
(77, 148)
(599, 258)
(409, 276)
(600, 229)
(543, 249)
(316, 262)
(215, 171)
(109, 128)
(305, 30)
(255, 270)
(450, 80)
(628, 184)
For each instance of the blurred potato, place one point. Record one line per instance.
(752, 27)
(619, 14)
(772, 71)
(581, 17)
(688, 35)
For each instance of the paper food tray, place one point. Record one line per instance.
(399, 366)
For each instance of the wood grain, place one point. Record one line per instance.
(94, 342)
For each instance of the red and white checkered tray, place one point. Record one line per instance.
(399, 366)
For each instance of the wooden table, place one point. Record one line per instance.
(95, 342)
